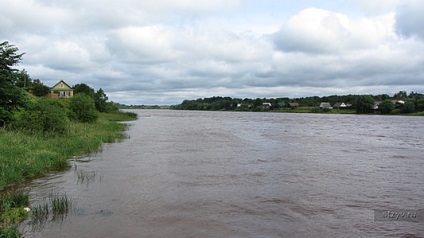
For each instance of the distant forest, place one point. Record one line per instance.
(400, 102)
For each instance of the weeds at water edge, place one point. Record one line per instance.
(55, 208)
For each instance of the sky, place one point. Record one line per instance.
(161, 52)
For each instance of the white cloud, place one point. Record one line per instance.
(149, 44)
(162, 52)
(322, 31)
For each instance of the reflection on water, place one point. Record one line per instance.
(227, 174)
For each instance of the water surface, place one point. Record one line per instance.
(239, 174)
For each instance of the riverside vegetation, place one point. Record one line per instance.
(38, 135)
(399, 103)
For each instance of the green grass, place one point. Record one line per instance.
(26, 156)
(56, 208)
(12, 212)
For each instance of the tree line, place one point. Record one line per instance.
(35, 112)
(400, 102)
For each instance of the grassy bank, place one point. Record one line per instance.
(25, 156)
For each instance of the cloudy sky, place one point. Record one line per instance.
(164, 51)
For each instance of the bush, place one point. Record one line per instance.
(83, 108)
(46, 116)
(395, 112)
(408, 107)
(387, 106)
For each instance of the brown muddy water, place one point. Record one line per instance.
(239, 174)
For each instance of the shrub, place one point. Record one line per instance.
(46, 116)
(83, 108)
(395, 112)
(408, 107)
(387, 106)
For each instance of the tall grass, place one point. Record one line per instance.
(56, 208)
(29, 155)
(12, 212)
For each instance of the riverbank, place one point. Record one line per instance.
(25, 156)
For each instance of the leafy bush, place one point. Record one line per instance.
(408, 107)
(364, 104)
(111, 107)
(387, 106)
(83, 108)
(395, 112)
(46, 116)
(40, 90)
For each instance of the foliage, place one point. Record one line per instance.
(83, 108)
(361, 104)
(85, 89)
(395, 112)
(23, 80)
(40, 90)
(47, 116)
(387, 106)
(119, 116)
(364, 104)
(11, 96)
(24, 155)
(400, 95)
(111, 107)
(100, 100)
(12, 212)
(419, 105)
(408, 107)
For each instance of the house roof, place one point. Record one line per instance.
(56, 87)
(339, 104)
(293, 104)
(325, 105)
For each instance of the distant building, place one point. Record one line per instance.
(293, 104)
(61, 90)
(266, 105)
(339, 105)
(325, 105)
(398, 101)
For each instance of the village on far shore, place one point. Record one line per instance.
(399, 103)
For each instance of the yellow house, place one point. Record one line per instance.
(61, 90)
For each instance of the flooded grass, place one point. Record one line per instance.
(56, 208)
(85, 177)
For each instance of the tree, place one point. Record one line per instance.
(85, 89)
(100, 100)
(387, 106)
(23, 80)
(39, 89)
(408, 107)
(83, 108)
(364, 104)
(419, 105)
(11, 96)
(400, 95)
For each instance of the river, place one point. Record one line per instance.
(244, 174)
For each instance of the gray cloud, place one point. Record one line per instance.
(162, 52)
(410, 19)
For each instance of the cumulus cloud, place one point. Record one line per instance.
(322, 31)
(162, 52)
